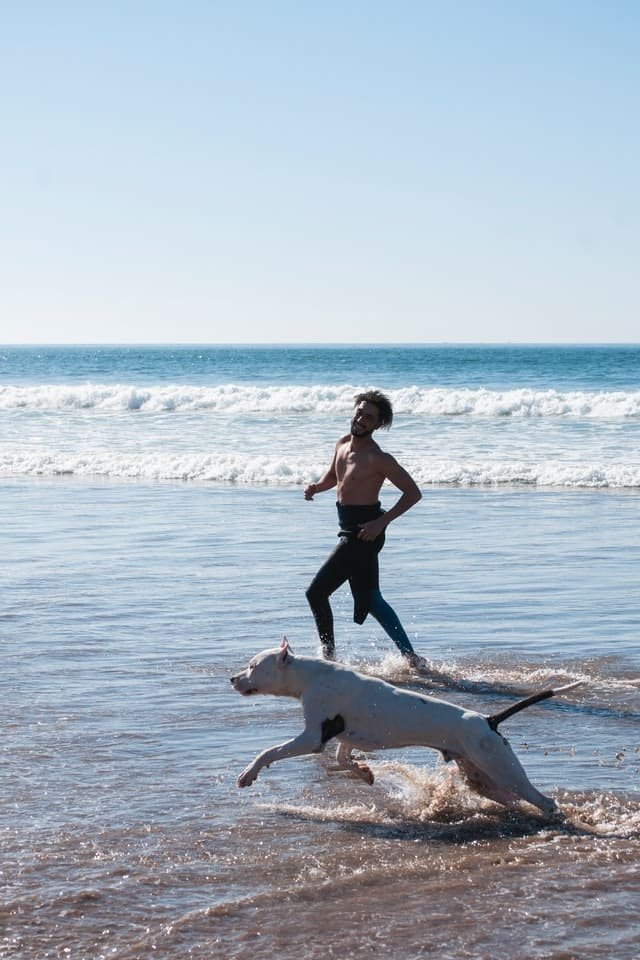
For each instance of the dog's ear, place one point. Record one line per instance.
(285, 650)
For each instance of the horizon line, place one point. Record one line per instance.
(321, 343)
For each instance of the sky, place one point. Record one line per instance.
(357, 171)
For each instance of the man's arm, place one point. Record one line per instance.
(410, 494)
(326, 482)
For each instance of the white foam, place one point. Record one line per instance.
(287, 470)
(243, 399)
(546, 473)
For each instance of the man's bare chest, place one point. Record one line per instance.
(357, 465)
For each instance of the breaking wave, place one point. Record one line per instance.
(286, 470)
(242, 399)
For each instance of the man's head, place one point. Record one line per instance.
(372, 410)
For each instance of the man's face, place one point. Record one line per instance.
(365, 419)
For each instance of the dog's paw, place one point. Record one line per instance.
(364, 772)
(247, 777)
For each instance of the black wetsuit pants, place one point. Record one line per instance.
(355, 561)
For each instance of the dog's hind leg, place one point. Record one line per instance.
(346, 762)
(492, 769)
(507, 794)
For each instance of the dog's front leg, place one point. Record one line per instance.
(307, 742)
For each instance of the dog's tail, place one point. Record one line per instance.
(498, 718)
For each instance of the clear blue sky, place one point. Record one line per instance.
(344, 170)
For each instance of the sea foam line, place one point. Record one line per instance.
(254, 469)
(236, 399)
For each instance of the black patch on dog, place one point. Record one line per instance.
(331, 728)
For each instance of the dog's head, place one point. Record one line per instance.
(267, 672)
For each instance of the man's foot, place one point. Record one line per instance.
(328, 653)
(419, 664)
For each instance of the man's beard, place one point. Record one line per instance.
(359, 432)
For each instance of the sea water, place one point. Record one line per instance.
(155, 536)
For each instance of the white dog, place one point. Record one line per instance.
(366, 713)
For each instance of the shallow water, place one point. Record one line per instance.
(126, 607)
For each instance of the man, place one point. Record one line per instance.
(358, 470)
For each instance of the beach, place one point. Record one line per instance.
(156, 537)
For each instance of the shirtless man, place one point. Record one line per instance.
(358, 470)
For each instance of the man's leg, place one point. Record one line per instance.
(331, 575)
(390, 623)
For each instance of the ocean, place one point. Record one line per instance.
(155, 537)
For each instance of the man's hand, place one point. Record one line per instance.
(309, 491)
(372, 529)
